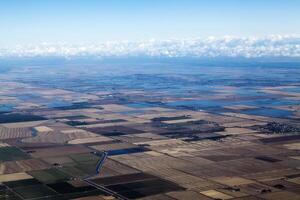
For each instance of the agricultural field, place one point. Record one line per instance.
(120, 137)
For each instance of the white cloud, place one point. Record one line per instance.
(271, 46)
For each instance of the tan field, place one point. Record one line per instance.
(14, 177)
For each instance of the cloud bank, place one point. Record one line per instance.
(227, 46)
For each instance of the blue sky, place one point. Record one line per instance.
(78, 21)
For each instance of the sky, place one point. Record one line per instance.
(25, 22)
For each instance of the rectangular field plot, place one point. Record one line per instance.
(137, 185)
(115, 130)
(16, 117)
(12, 153)
(66, 188)
(58, 151)
(14, 177)
(49, 175)
(20, 183)
(34, 191)
(144, 188)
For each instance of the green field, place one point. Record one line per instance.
(52, 175)
(34, 191)
(12, 153)
(84, 157)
